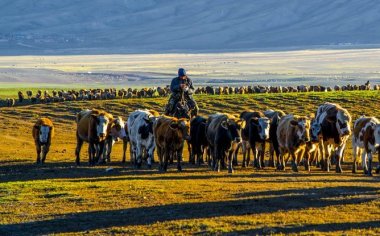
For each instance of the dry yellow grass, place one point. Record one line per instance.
(61, 198)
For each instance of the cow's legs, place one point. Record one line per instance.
(150, 152)
(339, 156)
(323, 154)
(132, 153)
(355, 152)
(262, 163)
(370, 163)
(230, 170)
(327, 152)
(364, 162)
(90, 158)
(307, 160)
(38, 150)
(179, 158)
(235, 155)
(109, 146)
(294, 161)
(244, 151)
(138, 155)
(160, 153)
(191, 153)
(77, 150)
(125, 146)
(45, 152)
(100, 158)
(167, 155)
(255, 158)
(271, 155)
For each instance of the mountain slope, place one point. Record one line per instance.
(98, 26)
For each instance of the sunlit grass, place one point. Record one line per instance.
(61, 198)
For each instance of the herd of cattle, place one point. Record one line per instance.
(112, 93)
(319, 140)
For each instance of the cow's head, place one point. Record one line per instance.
(43, 134)
(183, 126)
(233, 128)
(117, 130)
(102, 122)
(302, 127)
(315, 130)
(263, 125)
(343, 121)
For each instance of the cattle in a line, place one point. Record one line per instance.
(169, 136)
(254, 135)
(116, 132)
(275, 117)
(224, 135)
(42, 132)
(198, 140)
(92, 127)
(29, 93)
(20, 97)
(335, 128)
(10, 102)
(210, 90)
(292, 135)
(140, 133)
(366, 142)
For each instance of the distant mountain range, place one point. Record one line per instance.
(160, 26)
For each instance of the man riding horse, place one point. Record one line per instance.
(181, 102)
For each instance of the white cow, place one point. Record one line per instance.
(140, 132)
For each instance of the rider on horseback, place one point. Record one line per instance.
(181, 88)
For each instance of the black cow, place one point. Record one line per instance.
(256, 132)
(223, 133)
(275, 117)
(198, 140)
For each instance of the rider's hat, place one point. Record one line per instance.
(181, 72)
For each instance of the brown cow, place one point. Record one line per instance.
(169, 135)
(43, 131)
(92, 127)
(292, 135)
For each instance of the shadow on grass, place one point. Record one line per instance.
(9, 171)
(21, 171)
(275, 201)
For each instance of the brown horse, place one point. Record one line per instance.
(42, 133)
(92, 127)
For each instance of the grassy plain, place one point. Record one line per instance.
(324, 67)
(61, 198)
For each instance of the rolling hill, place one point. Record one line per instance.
(156, 26)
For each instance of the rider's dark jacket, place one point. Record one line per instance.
(175, 86)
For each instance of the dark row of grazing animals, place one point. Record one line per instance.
(320, 140)
(281, 89)
(112, 93)
(88, 94)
